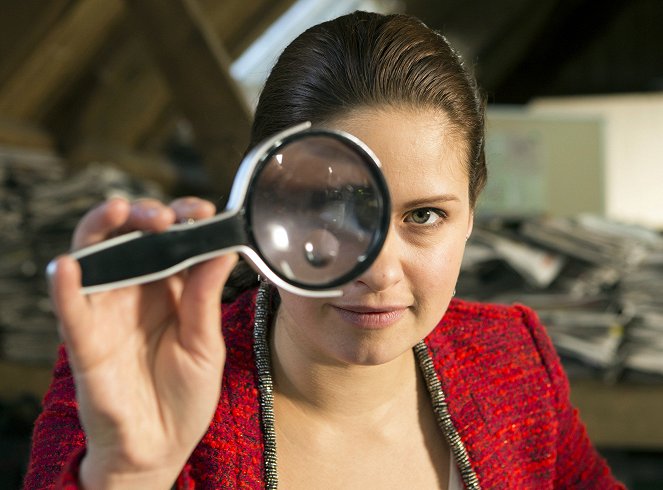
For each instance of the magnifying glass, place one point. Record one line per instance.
(309, 207)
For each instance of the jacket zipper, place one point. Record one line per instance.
(444, 421)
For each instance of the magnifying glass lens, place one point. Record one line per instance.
(321, 248)
(316, 210)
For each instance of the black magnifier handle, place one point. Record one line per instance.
(138, 258)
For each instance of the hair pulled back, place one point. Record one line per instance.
(369, 60)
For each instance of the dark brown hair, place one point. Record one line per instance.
(369, 60)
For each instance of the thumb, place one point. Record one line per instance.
(69, 303)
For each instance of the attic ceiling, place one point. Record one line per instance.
(524, 49)
(145, 83)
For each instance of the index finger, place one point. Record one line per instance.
(100, 222)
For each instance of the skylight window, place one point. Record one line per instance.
(253, 66)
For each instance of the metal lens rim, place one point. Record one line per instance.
(378, 238)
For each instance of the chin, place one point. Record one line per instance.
(371, 355)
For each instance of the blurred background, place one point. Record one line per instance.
(155, 98)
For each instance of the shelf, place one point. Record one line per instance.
(626, 416)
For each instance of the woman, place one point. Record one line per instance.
(334, 393)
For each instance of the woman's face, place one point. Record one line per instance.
(406, 291)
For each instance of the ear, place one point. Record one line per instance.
(470, 225)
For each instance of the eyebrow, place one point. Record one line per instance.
(431, 199)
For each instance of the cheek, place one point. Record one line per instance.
(299, 314)
(433, 271)
(296, 307)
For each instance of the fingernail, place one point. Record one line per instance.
(150, 212)
(189, 206)
(51, 268)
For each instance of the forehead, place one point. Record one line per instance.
(421, 152)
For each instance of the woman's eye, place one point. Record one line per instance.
(425, 216)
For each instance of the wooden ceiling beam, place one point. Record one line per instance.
(23, 134)
(197, 70)
(22, 26)
(62, 55)
(238, 23)
(132, 105)
(129, 96)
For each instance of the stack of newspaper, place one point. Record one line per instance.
(641, 293)
(39, 208)
(593, 282)
(24, 310)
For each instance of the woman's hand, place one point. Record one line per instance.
(147, 360)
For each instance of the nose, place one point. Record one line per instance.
(387, 270)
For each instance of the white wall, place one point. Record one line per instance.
(543, 164)
(633, 157)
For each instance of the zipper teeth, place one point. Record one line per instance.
(265, 385)
(444, 421)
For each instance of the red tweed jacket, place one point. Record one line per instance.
(506, 392)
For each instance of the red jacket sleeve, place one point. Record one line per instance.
(578, 466)
(58, 440)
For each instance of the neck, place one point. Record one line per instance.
(339, 390)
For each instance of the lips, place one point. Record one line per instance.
(370, 317)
